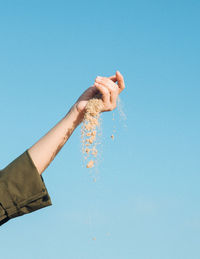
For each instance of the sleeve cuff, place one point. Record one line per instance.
(22, 189)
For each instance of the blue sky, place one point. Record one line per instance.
(145, 203)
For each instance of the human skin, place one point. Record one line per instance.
(47, 147)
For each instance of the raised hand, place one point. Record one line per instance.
(108, 89)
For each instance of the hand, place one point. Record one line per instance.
(108, 89)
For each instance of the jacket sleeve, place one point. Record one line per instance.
(22, 189)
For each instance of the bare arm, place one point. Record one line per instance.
(47, 147)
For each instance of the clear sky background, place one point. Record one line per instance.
(146, 201)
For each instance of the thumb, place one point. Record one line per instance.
(120, 80)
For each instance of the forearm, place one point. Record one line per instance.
(47, 147)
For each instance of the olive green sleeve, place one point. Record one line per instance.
(22, 189)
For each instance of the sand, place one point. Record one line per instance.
(89, 129)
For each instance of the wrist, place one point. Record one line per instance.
(75, 115)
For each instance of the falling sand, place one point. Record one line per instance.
(89, 129)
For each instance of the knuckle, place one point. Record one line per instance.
(108, 81)
(103, 79)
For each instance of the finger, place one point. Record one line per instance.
(105, 93)
(107, 82)
(113, 98)
(113, 89)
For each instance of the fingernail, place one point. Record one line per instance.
(98, 77)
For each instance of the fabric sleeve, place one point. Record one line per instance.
(22, 189)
